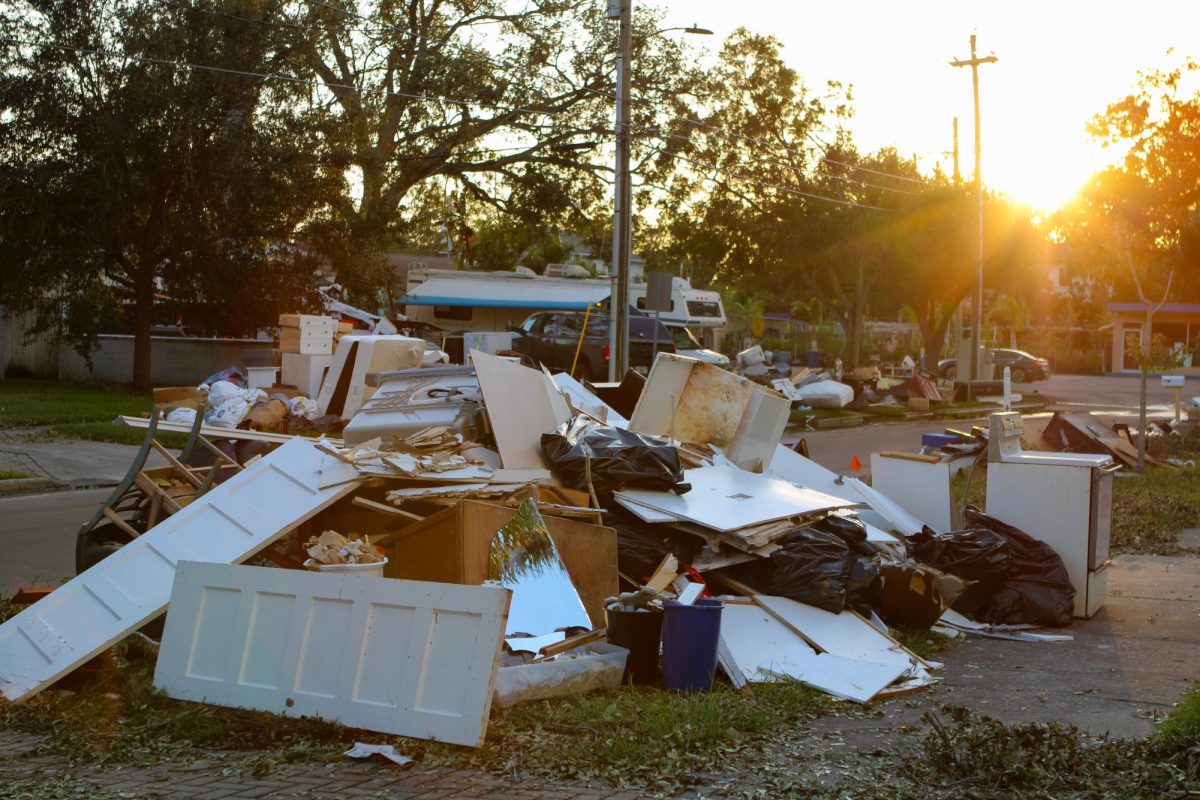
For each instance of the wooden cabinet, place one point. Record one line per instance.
(452, 547)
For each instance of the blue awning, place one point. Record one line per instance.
(506, 293)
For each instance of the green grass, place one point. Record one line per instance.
(67, 410)
(1180, 731)
(13, 474)
(27, 402)
(925, 643)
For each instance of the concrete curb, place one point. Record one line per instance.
(13, 486)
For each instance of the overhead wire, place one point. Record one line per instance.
(607, 95)
(428, 98)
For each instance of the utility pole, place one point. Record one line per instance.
(977, 312)
(957, 174)
(618, 337)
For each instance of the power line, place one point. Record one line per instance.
(169, 63)
(612, 97)
(780, 162)
(768, 184)
(435, 98)
(716, 130)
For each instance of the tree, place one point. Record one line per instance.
(935, 236)
(413, 91)
(127, 178)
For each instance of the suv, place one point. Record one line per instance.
(551, 338)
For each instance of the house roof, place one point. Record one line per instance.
(1166, 308)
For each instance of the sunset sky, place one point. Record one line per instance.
(1061, 62)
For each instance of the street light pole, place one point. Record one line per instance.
(977, 311)
(618, 327)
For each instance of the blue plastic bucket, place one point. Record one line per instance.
(690, 635)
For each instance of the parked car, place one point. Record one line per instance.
(686, 344)
(1024, 367)
(551, 339)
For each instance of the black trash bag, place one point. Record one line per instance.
(973, 555)
(1027, 583)
(640, 549)
(864, 584)
(619, 458)
(1039, 593)
(815, 567)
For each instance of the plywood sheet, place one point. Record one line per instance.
(408, 658)
(129, 588)
(728, 498)
(520, 407)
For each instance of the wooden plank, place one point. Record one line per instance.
(392, 511)
(924, 459)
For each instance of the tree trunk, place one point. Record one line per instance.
(933, 332)
(143, 320)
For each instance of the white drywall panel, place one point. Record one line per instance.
(410, 658)
(764, 649)
(132, 586)
(845, 635)
(728, 498)
(521, 408)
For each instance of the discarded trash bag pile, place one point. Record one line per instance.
(828, 565)
(1015, 579)
(590, 456)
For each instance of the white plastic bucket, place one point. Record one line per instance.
(363, 570)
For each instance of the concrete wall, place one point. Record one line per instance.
(174, 361)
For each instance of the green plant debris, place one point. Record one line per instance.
(108, 713)
(923, 642)
(13, 474)
(970, 755)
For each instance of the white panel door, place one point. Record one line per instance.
(132, 586)
(410, 658)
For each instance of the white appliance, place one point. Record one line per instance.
(1063, 499)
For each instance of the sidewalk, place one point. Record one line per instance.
(70, 463)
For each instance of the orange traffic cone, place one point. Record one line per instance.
(855, 464)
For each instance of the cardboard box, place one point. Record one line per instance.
(305, 372)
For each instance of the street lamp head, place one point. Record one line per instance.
(696, 29)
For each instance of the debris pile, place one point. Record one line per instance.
(332, 547)
(534, 540)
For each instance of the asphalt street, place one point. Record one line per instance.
(37, 535)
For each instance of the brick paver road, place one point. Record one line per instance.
(23, 771)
